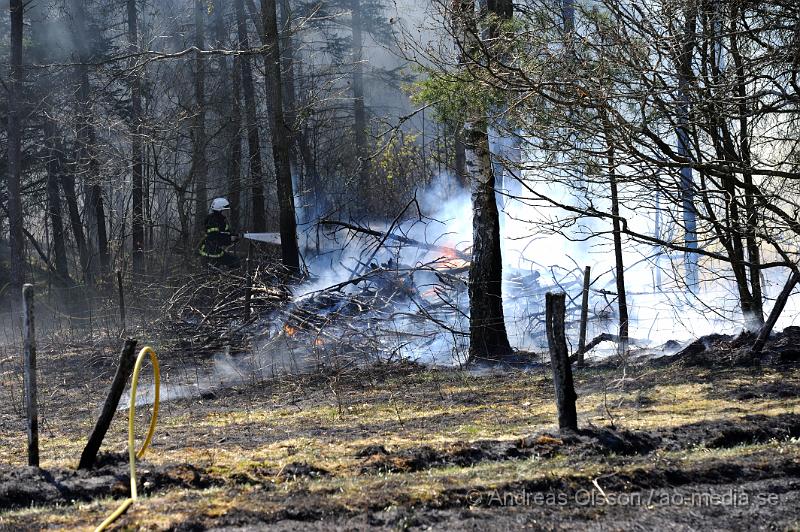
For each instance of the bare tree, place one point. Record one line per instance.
(359, 111)
(137, 217)
(281, 138)
(199, 141)
(15, 149)
(256, 172)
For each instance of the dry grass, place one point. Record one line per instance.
(251, 430)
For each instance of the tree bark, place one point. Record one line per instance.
(31, 388)
(137, 218)
(281, 136)
(199, 162)
(460, 159)
(289, 95)
(488, 336)
(256, 171)
(13, 183)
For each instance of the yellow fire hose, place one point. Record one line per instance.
(131, 414)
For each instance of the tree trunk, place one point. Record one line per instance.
(487, 328)
(622, 299)
(682, 131)
(359, 111)
(85, 170)
(88, 164)
(127, 359)
(199, 162)
(584, 314)
(13, 184)
(281, 136)
(460, 161)
(71, 197)
(99, 212)
(55, 169)
(290, 100)
(137, 218)
(256, 171)
(756, 319)
(235, 161)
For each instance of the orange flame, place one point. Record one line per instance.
(289, 330)
(450, 259)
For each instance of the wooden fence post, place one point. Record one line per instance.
(248, 291)
(121, 300)
(584, 314)
(29, 349)
(562, 372)
(127, 359)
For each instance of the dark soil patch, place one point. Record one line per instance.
(717, 434)
(297, 470)
(586, 443)
(720, 349)
(713, 472)
(595, 441)
(462, 454)
(756, 391)
(371, 450)
(24, 486)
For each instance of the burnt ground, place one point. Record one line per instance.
(668, 444)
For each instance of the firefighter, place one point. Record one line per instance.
(218, 236)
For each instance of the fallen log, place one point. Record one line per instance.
(398, 238)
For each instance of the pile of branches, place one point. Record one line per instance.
(367, 318)
(209, 310)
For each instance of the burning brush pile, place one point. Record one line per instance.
(382, 296)
(384, 313)
(393, 296)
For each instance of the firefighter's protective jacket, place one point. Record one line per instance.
(218, 236)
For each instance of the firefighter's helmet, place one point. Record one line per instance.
(220, 204)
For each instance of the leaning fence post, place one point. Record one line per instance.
(29, 350)
(555, 308)
(121, 300)
(127, 359)
(584, 315)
